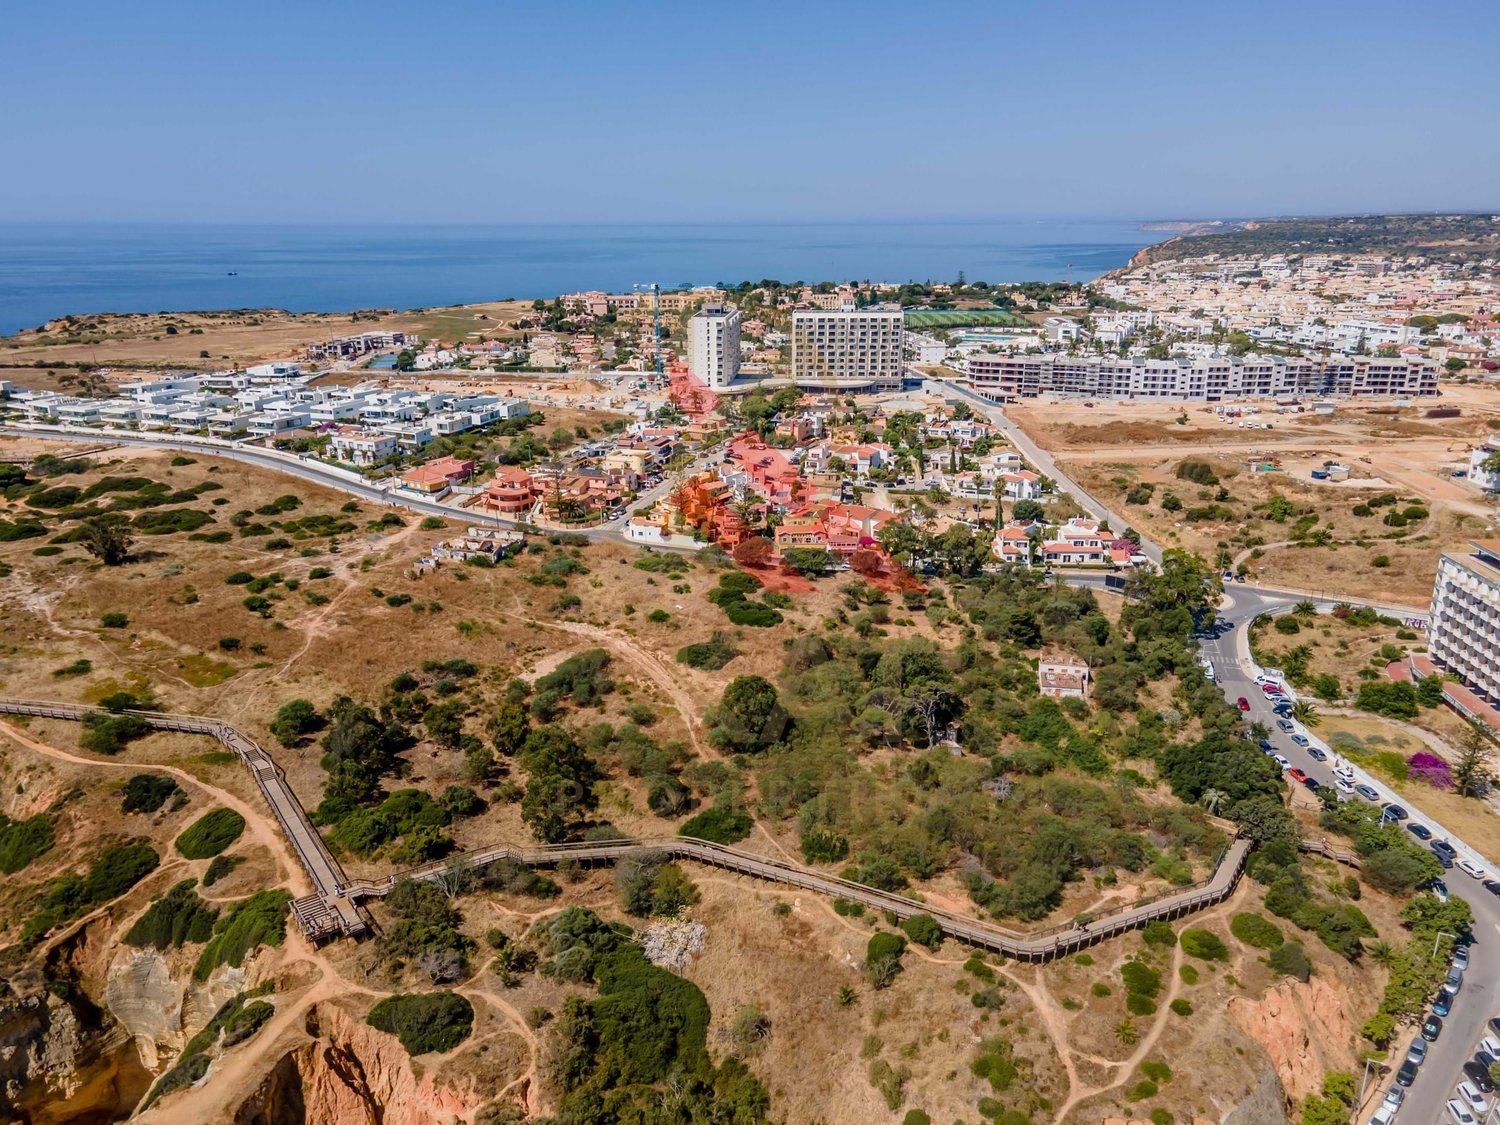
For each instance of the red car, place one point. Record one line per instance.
(1244, 704)
(1296, 775)
(1270, 689)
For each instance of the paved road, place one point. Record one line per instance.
(1230, 651)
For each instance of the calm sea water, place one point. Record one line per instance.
(47, 270)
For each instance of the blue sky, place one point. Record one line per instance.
(337, 111)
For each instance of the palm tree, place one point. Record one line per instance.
(1383, 953)
(999, 503)
(1213, 800)
(1305, 713)
(1304, 608)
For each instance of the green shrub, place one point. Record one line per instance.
(721, 824)
(1253, 929)
(1139, 1005)
(1100, 989)
(22, 841)
(210, 834)
(176, 917)
(1156, 1070)
(1290, 959)
(114, 620)
(1140, 979)
(255, 921)
(1181, 1007)
(109, 734)
(883, 957)
(79, 667)
(923, 929)
(424, 1021)
(1143, 1089)
(1159, 933)
(146, 792)
(1204, 945)
(109, 876)
(219, 867)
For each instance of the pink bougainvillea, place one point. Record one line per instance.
(1431, 769)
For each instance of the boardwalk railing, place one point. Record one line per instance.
(332, 907)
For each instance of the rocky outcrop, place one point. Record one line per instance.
(1304, 1028)
(160, 1007)
(1263, 1105)
(40, 1041)
(351, 1073)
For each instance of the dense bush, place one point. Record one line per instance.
(583, 678)
(176, 917)
(1290, 959)
(1204, 945)
(721, 824)
(1140, 978)
(109, 734)
(424, 1021)
(210, 834)
(110, 875)
(883, 957)
(649, 884)
(235, 1021)
(219, 867)
(923, 929)
(22, 841)
(146, 792)
(1199, 472)
(710, 655)
(1253, 929)
(1159, 933)
(255, 921)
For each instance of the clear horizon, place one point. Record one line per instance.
(668, 112)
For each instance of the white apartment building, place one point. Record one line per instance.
(714, 344)
(1208, 378)
(847, 348)
(362, 447)
(1484, 478)
(1464, 634)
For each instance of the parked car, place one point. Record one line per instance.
(1244, 704)
(1394, 1097)
(1283, 725)
(1367, 792)
(1420, 831)
(1484, 1059)
(1407, 1074)
(1265, 744)
(1312, 784)
(1300, 739)
(1342, 785)
(1439, 888)
(1492, 886)
(1271, 689)
(1494, 1025)
(1469, 1094)
(1445, 848)
(1432, 1027)
(1479, 1075)
(1461, 963)
(1416, 1054)
(1444, 859)
(1470, 868)
(1491, 1044)
(1283, 708)
(1282, 762)
(1442, 1003)
(1460, 1114)
(1316, 754)
(1383, 1115)
(1296, 774)
(1394, 811)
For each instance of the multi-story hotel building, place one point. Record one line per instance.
(1005, 377)
(1464, 635)
(847, 348)
(714, 344)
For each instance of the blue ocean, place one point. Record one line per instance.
(49, 270)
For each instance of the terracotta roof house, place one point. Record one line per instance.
(1060, 675)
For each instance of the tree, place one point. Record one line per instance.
(1305, 713)
(509, 728)
(294, 719)
(754, 551)
(107, 538)
(1471, 776)
(559, 784)
(1023, 510)
(749, 715)
(1212, 800)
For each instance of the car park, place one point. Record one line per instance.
(1432, 1027)
(1479, 1075)
(1300, 739)
(1472, 869)
(1367, 792)
(1459, 1114)
(1394, 811)
(1420, 831)
(1469, 1094)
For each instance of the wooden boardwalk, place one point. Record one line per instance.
(332, 907)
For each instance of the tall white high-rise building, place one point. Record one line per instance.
(858, 349)
(714, 344)
(1464, 634)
